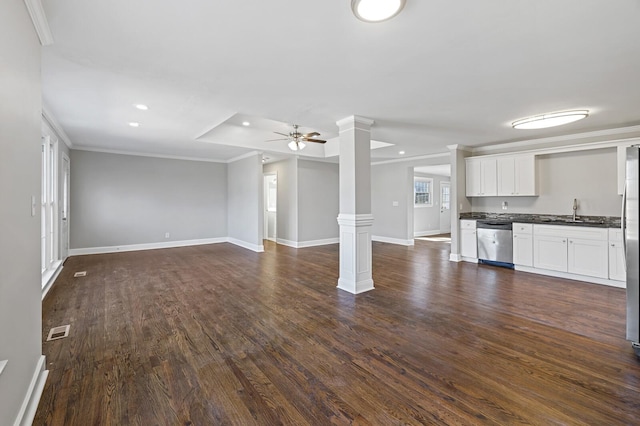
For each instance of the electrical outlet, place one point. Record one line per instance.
(167, 235)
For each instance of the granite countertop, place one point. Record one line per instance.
(546, 219)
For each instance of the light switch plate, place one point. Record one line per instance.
(395, 204)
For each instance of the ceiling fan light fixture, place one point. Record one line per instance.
(551, 119)
(296, 145)
(376, 10)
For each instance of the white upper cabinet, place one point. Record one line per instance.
(481, 177)
(517, 175)
(506, 175)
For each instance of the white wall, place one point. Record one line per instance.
(119, 200)
(318, 200)
(426, 219)
(245, 202)
(590, 176)
(20, 287)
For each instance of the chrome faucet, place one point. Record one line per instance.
(575, 208)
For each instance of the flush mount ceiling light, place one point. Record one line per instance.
(134, 124)
(296, 145)
(142, 107)
(376, 10)
(246, 123)
(550, 120)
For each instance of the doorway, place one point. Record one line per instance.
(270, 206)
(445, 207)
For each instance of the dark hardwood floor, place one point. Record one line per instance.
(216, 334)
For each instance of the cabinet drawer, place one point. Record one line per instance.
(522, 228)
(467, 224)
(582, 232)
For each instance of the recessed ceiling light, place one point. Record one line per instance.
(550, 119)
(246, 123)
(143, 107)
(376, 10)
(134, 124)
(401, 152)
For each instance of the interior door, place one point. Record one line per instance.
(270, 206)
(445, 207)
(64, 207)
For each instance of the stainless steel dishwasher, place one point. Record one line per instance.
(495, 243)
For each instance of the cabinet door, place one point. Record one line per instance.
(523, 249)
(468, 243)
(588, 257)
(506, 176)
(473, 170)
(489, 177)
(525, 175)
(617, 266)
(550, 252)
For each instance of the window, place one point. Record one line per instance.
(422, 192)
(48, 211)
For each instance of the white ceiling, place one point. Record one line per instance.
(442, 72)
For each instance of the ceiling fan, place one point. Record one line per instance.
(297, 139)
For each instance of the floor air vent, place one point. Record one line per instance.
(58, 332)
(80, 274)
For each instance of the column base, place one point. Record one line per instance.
(355, 287)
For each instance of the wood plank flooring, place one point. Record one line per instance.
(219, 335)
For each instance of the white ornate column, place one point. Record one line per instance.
(355, 218)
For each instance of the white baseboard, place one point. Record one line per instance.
(426, 233)
(455, 257)
(310, 243)
(569, 276)
(148, 246)
(244, 244)
(51, 278)
(392, 240)
(34, 392)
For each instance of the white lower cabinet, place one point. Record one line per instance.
(468, 239)
(588, 257)
(573, 249)
(523, 244)
(550, 252)
(617, 264)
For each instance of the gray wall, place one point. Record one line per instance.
(245, 204)
(20, 287)
(287, 199)
(590, 176)
(389, 183)
(318, 200)
(123, 199)
(427, 219)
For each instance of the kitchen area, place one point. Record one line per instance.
(548, 211)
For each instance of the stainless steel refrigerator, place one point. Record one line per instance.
(630, 218)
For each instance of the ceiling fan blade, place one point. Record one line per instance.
(313, 140)
(310, 135)
(283, 134)
(281, 139)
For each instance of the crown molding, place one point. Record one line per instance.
(145, 154)
(410, 159)
(51, 120)
(353, 121)
(40, 23)
(243, 156)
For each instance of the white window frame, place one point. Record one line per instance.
(49, 206)
(430, 182)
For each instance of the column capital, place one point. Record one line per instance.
(352, 121)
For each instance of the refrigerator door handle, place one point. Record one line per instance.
(623, 222)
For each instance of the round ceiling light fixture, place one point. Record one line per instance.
(376, 10)
(551, 119)
(142, 107)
